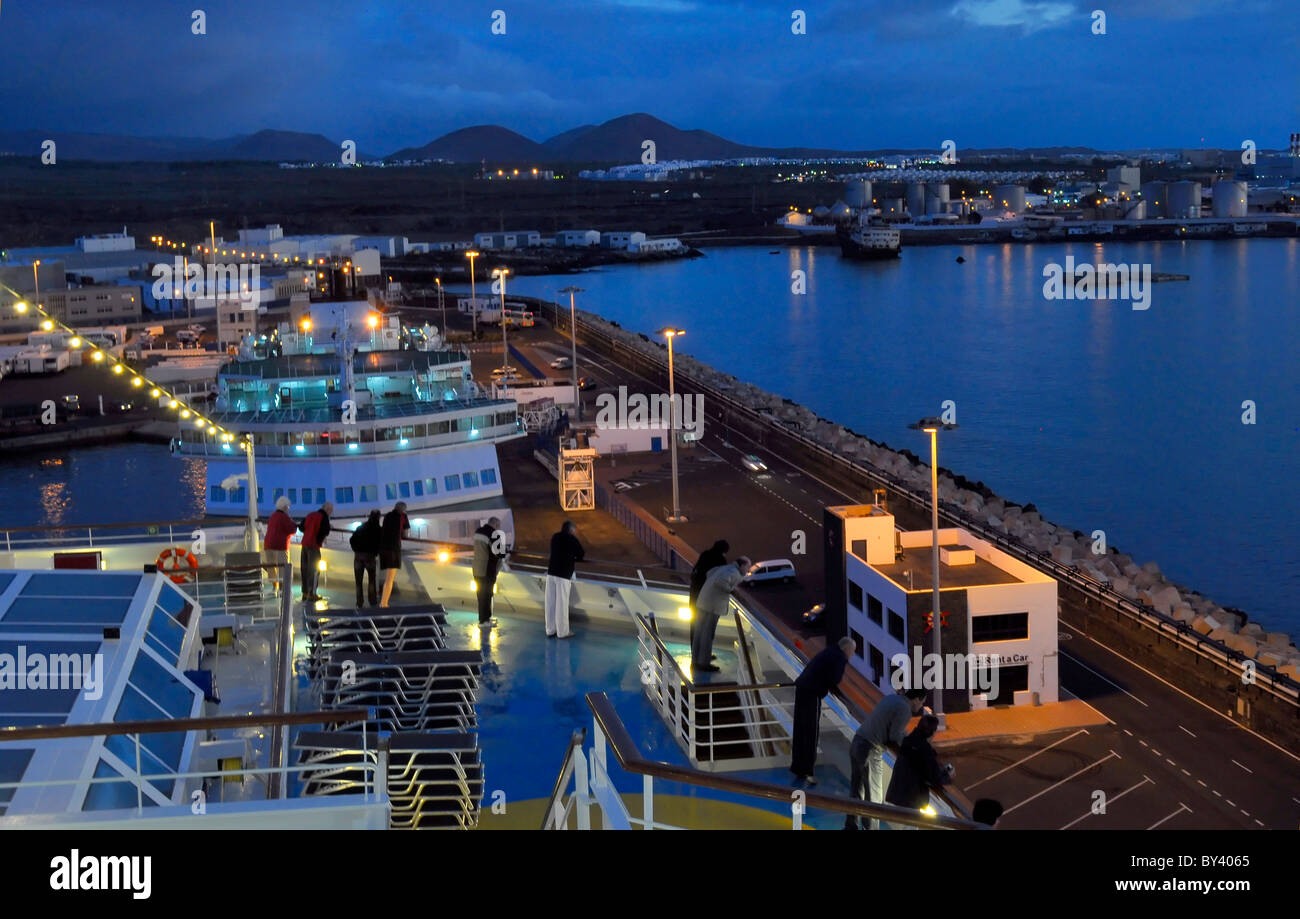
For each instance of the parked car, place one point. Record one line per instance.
(118, 406)
(585, 383)
(71, 403)
(777, 569)
(753, 463)
(813, 616)
(561, 363)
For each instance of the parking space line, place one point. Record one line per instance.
(1111, 754)
(1109, 802)
(1181, 807)
(1229, 803)
(1106, 679)
(1180, 727)
(1235, 763)
(1026, 759)
(1186, 773)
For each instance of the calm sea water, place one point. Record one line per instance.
(1104, 417)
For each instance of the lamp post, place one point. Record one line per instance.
(505, 353)
(36, 279)
(442, 305)
(473, 297)
(670, 334)
(932, 426)
(573, 339)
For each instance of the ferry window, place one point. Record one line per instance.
(218, 493)
(1000, 627)
(896, 625)
(282, 438)
(320, 496)
(279, 493)
(860, 651)
(482, 421)
(293, 496)
(440, 427)
(239, 494)
(418, 485)
(367, 435)
(464, 424)
(471, 479)
(855, 595)
(369, 493)
(404, 489)
(505, 417)
(431, 486)
(419, 430)
(877, 663)
(259, 496)
(343, 495)
(451, 482)
(489, 476)
(390, 491)
(874, 611)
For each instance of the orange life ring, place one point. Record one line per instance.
(170, 562)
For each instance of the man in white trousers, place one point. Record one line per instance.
(566, 552)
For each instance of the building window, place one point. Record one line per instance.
(489, 476)
(369, 493)
(431, 486)
(855, 596)
(877, 664)
(390, 491)
(1008, 681)
(999, 627)
(857, 640)
(451, 482)
(896, 625)
(418, 487)
(471, 479)
(874, 609)
(404, 489)
(343, 495)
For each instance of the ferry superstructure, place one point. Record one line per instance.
(362, 424)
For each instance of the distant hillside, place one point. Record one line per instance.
(470, 145)
(271, 146)
(278, 146)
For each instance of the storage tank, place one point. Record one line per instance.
(1155, 195)
(916, 198)
(1229, 199)
(857, 193)
(936, 199)
(890, 206)
(1184, 200)
(1135, 210)
(1009, 198)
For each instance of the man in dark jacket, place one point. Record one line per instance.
(822, 674)
(917, 771)
(392, 530)
(315, 527)
(489, 552)
(365, 556)
(566, 552)
(709, 559)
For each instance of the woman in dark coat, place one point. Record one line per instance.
(392, 532)
(917, 771)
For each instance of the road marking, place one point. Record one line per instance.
(1128, 732)
(1109, 755)
(1186, 773)
(1228, 802)
(1188, 695)
(1181, 728)
(1170, 762)
(1026, 759)
(1099, 676)
(1216, 794)
(1295, 799)
(1246, 812)
(1155, 751)
(1181, 807)
(1143, 743)
(1235, 763)
(1201, 782)
(1257, 820)
(1108, 802)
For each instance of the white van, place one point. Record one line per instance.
(776, 569)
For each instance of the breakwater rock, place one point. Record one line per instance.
(1143, 584)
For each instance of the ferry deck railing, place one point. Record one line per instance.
(556, 815)
(1266, 678)
(273, 775)
(594, 786)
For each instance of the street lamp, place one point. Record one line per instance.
(670, 334)
(473, 297)
(505, 353)
(573, 338)
(442, 306)
(36, 279)
(932, 426)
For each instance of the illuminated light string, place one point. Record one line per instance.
(119, 368)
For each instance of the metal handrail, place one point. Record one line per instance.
(630, 759)
(576, 741)
(173, 725)
(690, 686)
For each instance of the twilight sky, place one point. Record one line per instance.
(868, 74)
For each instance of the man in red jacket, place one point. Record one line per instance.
(315, 527)
(275, 548)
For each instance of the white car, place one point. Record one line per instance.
(505, 374)
(561, 363)
(776, 569)
(753, 463)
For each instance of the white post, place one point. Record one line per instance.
(672, 431)
(648, 796)
(581, 790)
(934, 564)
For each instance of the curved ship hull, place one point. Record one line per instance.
(869, 244)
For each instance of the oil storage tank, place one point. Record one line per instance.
(1009, 198)
(857, 193)
(890, 207)
(916, 198)
(936, 198)
(1154, 194)
(1229, 199)
(1184, 200)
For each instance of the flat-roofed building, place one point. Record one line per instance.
(996, 611)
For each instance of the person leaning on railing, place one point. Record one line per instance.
(887, 724)
(917, 771)
(275, 546)
(391, 533)
(822, 674)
